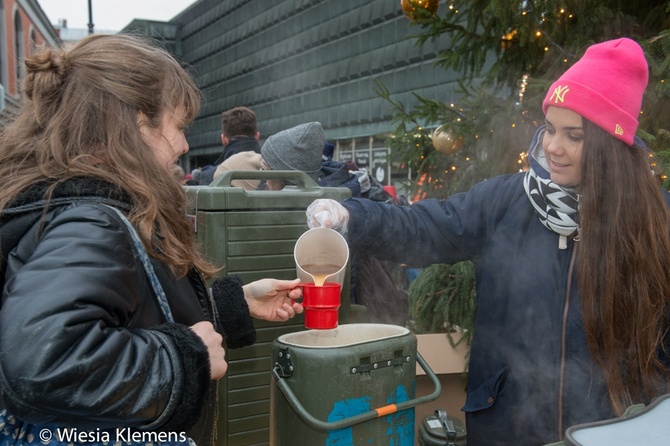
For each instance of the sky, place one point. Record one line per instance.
(111, 15)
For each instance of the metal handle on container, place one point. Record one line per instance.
(448, 426)
(325, 426)
(303, 180)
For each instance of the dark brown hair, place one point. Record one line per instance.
(623, 260)
(239, 121)
(79, 118)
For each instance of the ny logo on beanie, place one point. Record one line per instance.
(559, 94)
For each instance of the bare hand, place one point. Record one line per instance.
(273, 299)
(214, 343)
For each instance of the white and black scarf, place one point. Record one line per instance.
(556, 206)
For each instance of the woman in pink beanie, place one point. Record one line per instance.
(573, 292)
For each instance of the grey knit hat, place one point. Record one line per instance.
(297, 148)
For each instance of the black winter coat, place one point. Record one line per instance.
(83, 342)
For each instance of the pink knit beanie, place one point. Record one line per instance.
(605, 86)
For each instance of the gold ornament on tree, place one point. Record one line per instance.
(444, 142)
(412, 8)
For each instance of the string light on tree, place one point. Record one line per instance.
(419, 9)
(506, 39)
(523, 162)
(524, 7)
(523, 83)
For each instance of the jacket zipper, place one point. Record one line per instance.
(214, 318)
(209, 299)
(564, 329)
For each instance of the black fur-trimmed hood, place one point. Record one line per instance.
(75, 190)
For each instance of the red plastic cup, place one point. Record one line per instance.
(321, 304)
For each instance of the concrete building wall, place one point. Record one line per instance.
(295, 61)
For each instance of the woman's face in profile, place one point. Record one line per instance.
(168, 141)
(563, 143)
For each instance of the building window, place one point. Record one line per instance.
(18, 45)
(33, 41)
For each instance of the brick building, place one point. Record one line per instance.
(23, 27)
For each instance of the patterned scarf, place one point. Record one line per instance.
(557, 206)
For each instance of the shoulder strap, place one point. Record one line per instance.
(148, 267)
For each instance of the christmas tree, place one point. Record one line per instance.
(507, 53)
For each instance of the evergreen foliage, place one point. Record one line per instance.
(442, 300)
(506, 54)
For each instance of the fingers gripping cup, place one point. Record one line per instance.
(321, 256)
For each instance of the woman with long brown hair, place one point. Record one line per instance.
(108, 328)
(573, 292)
(623, 259)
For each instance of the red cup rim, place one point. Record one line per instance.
(325, 285)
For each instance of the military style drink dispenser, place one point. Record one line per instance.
(253, 234)
(352, 385)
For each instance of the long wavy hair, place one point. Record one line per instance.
(79, 118)
(623, 261)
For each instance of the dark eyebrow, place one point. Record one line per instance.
(564, 128)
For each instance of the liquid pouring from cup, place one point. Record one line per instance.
(321, 255)
(321, 273)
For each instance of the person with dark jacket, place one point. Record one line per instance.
(301, 148)
(239, 134)
(573, 293)
(109, 326)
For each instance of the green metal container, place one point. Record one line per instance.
(352, 385)
(252, 234)
(442, 430)
(648, 426)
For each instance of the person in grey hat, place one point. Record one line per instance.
(302, 148)
(296, 148)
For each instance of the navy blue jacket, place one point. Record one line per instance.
(530, 374)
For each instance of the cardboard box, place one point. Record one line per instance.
(450, 365)
(440, 355)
